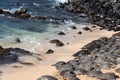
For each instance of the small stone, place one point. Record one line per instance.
(55, 41)
(93, 26)
(50, 51)
(79, 32)
(73, 27)
(60, 44)
(87, 29)
(61, 33)
(18, 40)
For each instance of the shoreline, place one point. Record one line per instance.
(60, 54)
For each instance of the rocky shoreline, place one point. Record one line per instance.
(104, 13)
(103, 53)
(17, 55)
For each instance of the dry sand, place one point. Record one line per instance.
(76, 41)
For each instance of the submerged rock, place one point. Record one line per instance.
(17, 40)
(1, 11)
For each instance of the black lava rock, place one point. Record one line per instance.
(61, 33)
(50, 51)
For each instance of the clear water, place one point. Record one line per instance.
(30, 31)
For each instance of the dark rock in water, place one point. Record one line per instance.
(73, 27)
(79, 32)
(87, 29)
(39, 18)
(18, 40)
(61, 33)
(7, 13)
(1, 11)
(24, 16)
(50, 51)
(118, 70)
(46, 77)
(20, 11)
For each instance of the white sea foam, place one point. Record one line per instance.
(36, 4)
(13, 9)
(61, 1)
(32, 40)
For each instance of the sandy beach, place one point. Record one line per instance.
(43, 67)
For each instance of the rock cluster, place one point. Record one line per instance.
(105, 13)
(16, 55)
(23, 14)
(103, 53)
(57, 42)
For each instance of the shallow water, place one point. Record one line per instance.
(33, 31)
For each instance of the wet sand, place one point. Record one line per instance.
(76, 41)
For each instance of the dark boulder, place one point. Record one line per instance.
(86, 29)
(24, 16)
(61, 33)
(20, 11)
(1, 11)
(73, 27)
(12, 55)
(57, 42)
(17, 40)
(79, 32)
(50, 51)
